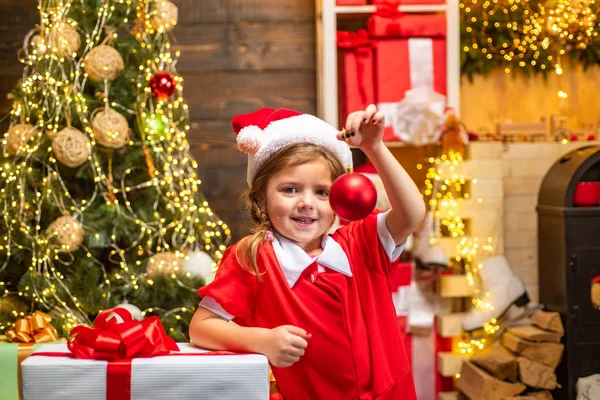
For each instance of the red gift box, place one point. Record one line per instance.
(410, 52)
(378, 2)
(355, 72)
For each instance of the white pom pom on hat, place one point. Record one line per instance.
(264, 132)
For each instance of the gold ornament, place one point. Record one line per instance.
(110, 128)
(17, 137)
(71, 147)
(164, 263)
(103, 62)
(68, 232)
(39, 44)
(64, 39)
(164, 16)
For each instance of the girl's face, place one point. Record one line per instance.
(298, 203)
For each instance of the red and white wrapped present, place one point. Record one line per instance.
(423, 342)
(128, 359)
(410, 53)
(355, 72)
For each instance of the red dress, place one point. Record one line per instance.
(355, 351)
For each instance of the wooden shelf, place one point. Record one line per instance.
(406, 8)
(327, 16)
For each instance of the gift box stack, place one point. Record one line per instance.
(416, 309)
(398, 63)
(27, 335)
(121, 358)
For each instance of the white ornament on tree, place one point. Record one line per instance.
(198, 263)
(135, 312)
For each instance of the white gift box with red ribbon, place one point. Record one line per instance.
(190, 373)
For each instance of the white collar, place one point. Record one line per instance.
(293, 260)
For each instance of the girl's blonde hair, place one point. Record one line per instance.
(255, 201)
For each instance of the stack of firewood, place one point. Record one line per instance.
(522, 366)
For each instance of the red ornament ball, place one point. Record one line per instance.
(163, 85)
(352, 196)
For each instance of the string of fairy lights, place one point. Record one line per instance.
(446, 186)
(44, 112)
(533, 32)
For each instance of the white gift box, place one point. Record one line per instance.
(222, 377)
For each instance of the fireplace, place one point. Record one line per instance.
(569, 260)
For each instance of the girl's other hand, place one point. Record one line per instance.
(285, 345)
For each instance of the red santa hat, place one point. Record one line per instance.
(263, 133)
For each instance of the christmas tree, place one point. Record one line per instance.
(99, 196)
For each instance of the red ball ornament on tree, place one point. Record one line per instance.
(163, 85)
(352, 196)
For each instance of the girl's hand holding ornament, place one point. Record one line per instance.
(353, 196)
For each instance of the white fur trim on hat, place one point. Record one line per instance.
(297, 129)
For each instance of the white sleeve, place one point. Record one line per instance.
(212, 305)
(385, 238)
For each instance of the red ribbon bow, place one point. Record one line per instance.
(350, 40)
(110, 339)
(388, 10)
(362, 46)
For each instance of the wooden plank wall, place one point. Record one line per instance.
(236, 56)
(501, 97)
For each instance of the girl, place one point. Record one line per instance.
(317, 305)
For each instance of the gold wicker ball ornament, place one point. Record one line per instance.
(71, 147)
(64, 39)
(68, 232)
(164, 263)
(165, 16)
(103, 62)
(17, 137)
(39, 44)
(110, 128)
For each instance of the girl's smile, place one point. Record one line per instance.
(298, 203)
